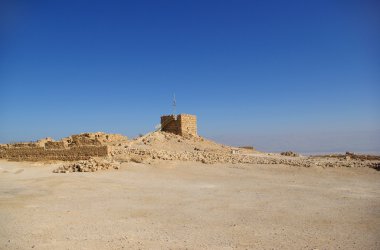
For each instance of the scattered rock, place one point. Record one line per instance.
(90, 165)
(290, 153)
(137, 159)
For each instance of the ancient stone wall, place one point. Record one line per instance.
(23, 145)
(75, 147)
(40, 153)
(103, 137)
(182, 124)
(54, 145)
(187, 124)
(3, 148)
(169, 124)
(84, 139)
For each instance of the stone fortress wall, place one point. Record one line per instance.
(42, 154)
(72, 148)
(182, 124)
(87, 145)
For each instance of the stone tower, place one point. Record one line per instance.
(182, 124)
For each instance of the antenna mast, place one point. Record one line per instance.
(174, 105)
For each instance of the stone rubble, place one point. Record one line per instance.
(161, 146)
(147, 155)
(290, 153)
(91, 165)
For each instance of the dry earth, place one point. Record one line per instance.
(187, 205)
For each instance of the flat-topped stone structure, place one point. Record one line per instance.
(182, 124)
(72, 148)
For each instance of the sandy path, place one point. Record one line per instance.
(188, 205)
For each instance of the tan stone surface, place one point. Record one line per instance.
(182, 124)
(72, 148)
(165, 146)
(41, 154)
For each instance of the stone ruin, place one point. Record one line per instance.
(72, 148)
(179, 141)
(183, 124)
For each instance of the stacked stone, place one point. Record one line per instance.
(169, 124)
(84, 139)
(182, 124)
(54, 145)
(90, 165)
(40, 153)
(73, 148)
(290, 153)
(187, 124)
(145, 155)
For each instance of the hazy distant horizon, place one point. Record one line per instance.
(366, 142)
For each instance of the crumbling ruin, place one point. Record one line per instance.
(72, 148)
(183, 124)
(178, 141)
(91, 165)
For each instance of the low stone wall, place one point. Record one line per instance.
(55, 145)
(3, 149)
(84, 139)
(41, 154)
(145, 155)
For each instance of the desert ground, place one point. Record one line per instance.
(189, 205)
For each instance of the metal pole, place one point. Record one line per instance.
(174, 105)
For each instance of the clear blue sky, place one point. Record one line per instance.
(279, 75)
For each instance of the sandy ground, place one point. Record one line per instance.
(189, 206)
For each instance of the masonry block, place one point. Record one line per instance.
(183, 124)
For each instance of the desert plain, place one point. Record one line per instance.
(155, 201)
